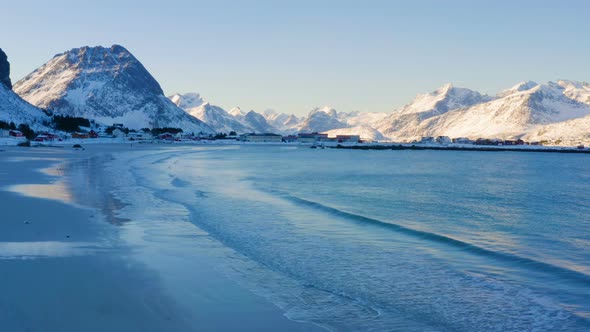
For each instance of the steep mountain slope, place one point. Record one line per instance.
(214, 116)
(5, 70)
(367, 133)
(274, 118)
(237, 113)
(321, 120)
(569, 133)
(517, 113)
(522, 86)
(258, 123)
(187, 100)
(366, 119)
(578, 91)
(404, 123)
(286, 123)
(291, 122)
(12, 107)
(108, 85)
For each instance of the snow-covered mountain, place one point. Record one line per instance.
(291, 122)
(404, 123)
(366, 119)
(187, 100)
(569, 133)
(214, 116)
(365, 132)
(328, 120)
(238, 113)
(274, 118)
(222, 121)
(257, 123)
(108, 85)
(12, 107)
(282, 121)
(321, 120)
(286, 123)
(555, 111)
(518, 111)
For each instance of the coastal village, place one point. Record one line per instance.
(175, 135)
(118, 133)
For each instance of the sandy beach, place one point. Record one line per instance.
(70, 261)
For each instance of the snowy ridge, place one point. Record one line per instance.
(365, 132)
(321, 120)
(237, 113)
(522, 86)
(108, 85)
(187, 100)
(569, 133)
(404, 123)
(327, 120)
(14, 109)
(214, 116)
(258, 123)
(513, 116)
(286, 123)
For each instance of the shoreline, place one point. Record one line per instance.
(70, 253)
(155, 144)
(463, 148)
(59, 257)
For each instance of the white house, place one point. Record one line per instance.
(443, 140)
(311, 137)
(118, 133)
(140, 135)
(268, 137)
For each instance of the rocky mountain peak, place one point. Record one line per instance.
(5, 70)
(106, 84)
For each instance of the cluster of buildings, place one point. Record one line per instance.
(11, 133)
(120, 132)
(479, 141)
(301, 138)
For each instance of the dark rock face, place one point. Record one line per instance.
(5, 70)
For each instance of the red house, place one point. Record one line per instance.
(15, 133)
(43, 138)
(166, 136)
(92, 134)
(79, 135)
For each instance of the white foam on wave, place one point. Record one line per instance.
(46, 249)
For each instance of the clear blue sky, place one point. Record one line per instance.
(294, 55)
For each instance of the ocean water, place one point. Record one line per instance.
(369, 240)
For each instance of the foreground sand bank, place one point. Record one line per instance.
(66, 267)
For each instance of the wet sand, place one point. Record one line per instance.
(65, 266)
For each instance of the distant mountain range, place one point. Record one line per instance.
(109, 85)
(558, 112)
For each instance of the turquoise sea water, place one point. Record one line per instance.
(379, 240)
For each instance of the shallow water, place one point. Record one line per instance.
(372, 240)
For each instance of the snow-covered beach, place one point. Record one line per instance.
(70, 261)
